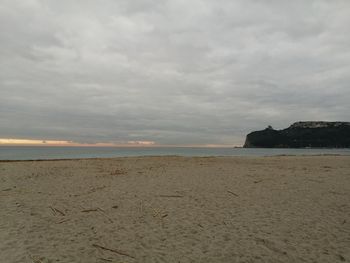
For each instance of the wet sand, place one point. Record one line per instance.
(176, 209)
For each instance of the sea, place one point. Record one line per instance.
(49, 153)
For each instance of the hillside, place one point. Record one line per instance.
(302, 135)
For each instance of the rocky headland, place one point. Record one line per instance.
(315, 134)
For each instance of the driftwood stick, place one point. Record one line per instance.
(232, 193)
(55, 211)
(104, 213)
(65, 220)
(60, 212)
(90, 210)
(105, 259)
(113, 250)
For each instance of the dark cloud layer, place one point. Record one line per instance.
(173, 72)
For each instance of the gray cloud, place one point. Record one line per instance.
(173, 72)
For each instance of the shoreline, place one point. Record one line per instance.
(170, 156)
(67, 153)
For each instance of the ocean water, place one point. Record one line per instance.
(44, 153)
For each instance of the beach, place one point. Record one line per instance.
(176, 209)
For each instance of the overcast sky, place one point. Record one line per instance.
(170, 71)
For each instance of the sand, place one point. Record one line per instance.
(176, 209)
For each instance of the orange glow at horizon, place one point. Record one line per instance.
(5, 141)
(31, 142)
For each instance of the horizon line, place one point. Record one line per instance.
(127, 144)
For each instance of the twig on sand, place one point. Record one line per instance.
(55, 211)
(104, 213)
(65, 220)
(97, 210)
(113, 250)
(90, 210)
(105, 259)
(232, 193)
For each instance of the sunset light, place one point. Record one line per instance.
(31, 142)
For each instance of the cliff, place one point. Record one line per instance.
(302, 135)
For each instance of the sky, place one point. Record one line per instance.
(170, 72)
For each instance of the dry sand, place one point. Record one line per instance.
(175, 209)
